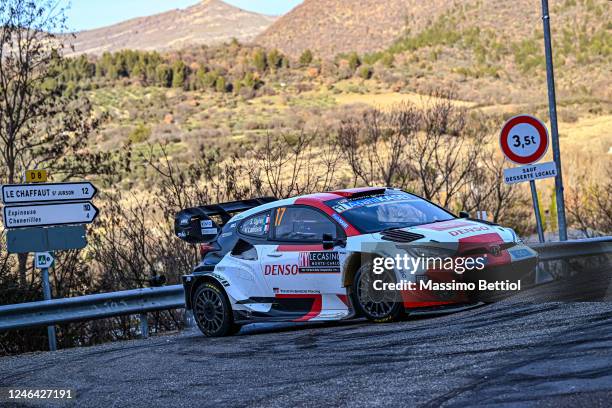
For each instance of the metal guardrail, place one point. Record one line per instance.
(90, 307)
(551, 251)
(141, 301)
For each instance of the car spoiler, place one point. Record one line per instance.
(195, 225)
(227, 210)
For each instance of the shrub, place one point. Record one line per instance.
(365, 72)
(306, 57)
(354, 61)
(140, 134)
(260, 60)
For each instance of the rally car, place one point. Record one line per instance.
(309, 258)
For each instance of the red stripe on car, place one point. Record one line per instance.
(315, 309)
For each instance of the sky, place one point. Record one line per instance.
(88, 14)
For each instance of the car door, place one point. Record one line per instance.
(296, 266)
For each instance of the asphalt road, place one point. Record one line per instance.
(512, 353)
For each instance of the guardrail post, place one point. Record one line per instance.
(47, 295)
(144, 326)
(188, 319)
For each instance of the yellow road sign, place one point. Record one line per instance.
(36, 176)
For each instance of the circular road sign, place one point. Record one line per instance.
(524, 139)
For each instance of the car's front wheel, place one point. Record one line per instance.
(212, 311)
(376, 305)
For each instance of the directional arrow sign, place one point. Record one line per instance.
(40, 193)
(42, 215)
(43, 260)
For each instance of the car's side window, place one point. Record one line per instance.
(257, 225)
(302, 224)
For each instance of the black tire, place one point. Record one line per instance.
(212, 311)
(377, 306)
(236, 329)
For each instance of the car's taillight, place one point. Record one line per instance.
(205, 248)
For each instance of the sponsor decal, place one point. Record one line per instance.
(209, 231)
(349, 204)
(446, 225)
(297, 291)
(206, 224)
(221, 279)
(185, 220)
(469, 230)
(319, 262)
(274, 270)
(340, 220)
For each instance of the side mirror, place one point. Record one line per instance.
(464, 214)
(328, 241)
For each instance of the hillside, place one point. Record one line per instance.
(209, 22)
(330, 27)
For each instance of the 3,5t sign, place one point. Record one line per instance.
(524, 139)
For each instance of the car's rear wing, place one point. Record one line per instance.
(202, 224)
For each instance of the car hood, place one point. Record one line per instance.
(458, 230)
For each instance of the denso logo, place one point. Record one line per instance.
(463, 231)
(281, 270)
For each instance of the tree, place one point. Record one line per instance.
(164, 75)
(40, 125)
(179, 73)
(260, 60)
(306, 57)
(275, 59)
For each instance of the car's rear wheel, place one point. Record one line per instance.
(376, 305)
(212, 311)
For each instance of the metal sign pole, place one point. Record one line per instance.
(47, 295)
(552, 107)
(536, 210)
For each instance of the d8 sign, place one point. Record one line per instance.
(524, 139)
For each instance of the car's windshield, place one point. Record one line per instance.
(394, 209)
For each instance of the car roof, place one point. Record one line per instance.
(312, 199)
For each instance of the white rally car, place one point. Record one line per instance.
(308, 258)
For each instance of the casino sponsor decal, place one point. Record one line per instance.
(319, 262)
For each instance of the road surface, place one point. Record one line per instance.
(506, 354)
